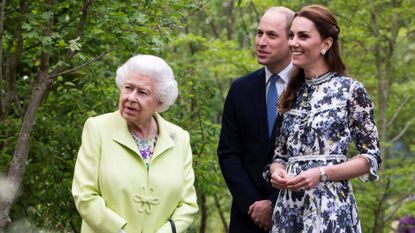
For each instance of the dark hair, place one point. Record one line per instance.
(326, 25)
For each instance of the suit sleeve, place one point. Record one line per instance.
(187, 206)
(230, 156)
(85, 189)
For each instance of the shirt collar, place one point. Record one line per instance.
(284, 74)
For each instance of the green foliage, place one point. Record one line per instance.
(125, 28)
(393, 186)
(201, 80)
(46, 199)
(208, 44)
(204, 73)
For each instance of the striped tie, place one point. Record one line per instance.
(272, 99)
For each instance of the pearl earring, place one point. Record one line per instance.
(323, 51)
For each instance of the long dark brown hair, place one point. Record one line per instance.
(326, 25)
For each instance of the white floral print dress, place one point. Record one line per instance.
(330, 112)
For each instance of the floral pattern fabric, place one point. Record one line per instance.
(329, 112)
(145, 147)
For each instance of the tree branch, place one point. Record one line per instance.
(19, 45)
(82, 20)
(201, 5)
(220, 211)
(15, 57)
(18, 164)
(2, 7)
(379, 208)
(9, 94)
(19, 106)
(51, 76)
(79, 31)
(405, 128)
(396, 114)
(373, 20)
(229, 19)
(211, 22)
(256, 13)
(397, 204)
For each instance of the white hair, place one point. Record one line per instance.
(156, 69)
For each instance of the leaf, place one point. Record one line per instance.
(61, 43)
(75, 45)
(67, 83)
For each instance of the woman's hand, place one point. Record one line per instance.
(279, 177)
(305, 180)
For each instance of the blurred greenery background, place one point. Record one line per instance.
(57, 65)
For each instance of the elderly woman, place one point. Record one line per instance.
(134, 169)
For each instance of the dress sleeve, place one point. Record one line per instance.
(280, 152)
(363, 129)
(85, 189)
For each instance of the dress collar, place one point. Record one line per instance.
(320, 79)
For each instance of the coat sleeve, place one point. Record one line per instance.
(230, 156)
(187, 206)
(85, 189)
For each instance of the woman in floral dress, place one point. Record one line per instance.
(322, 112)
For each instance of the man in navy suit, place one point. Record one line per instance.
(246, 141)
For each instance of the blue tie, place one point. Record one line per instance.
(272, 99)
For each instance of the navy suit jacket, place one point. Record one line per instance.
(245, 148)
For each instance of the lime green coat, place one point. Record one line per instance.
(113, 189)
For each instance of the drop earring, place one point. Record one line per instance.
(323, 51)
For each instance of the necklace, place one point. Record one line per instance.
(145, 145)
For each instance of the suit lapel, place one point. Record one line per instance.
(260, 103)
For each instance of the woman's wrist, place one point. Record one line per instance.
(275, 166)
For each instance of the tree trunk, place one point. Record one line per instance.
(18, 164)
(378, 212)
(203, 214)
(379, 223)
(40, 89)
(10, 94)
(384, 72)
(2, 6)
(229, 20)
(221, 215)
